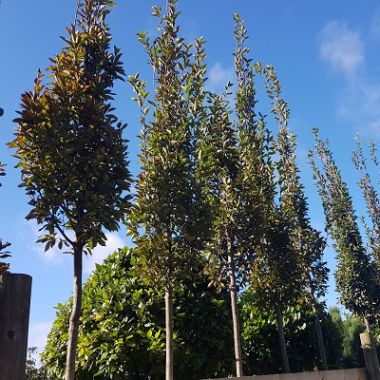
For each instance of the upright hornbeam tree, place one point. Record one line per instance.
(371, 198)
(220, 162)
(164, 217)
(71, 151)
(278, 271)
(307, 243)
(236, 178)
(356, 277)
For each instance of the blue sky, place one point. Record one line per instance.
(327, 55)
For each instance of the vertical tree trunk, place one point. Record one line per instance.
(169, 331)
(75, 315)
(367, 325)
(281, 338)
(235, 319)
(321, 345)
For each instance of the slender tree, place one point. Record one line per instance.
(164, 218)
(371, 199)
(71, 151)
(284, 225)
(226, 266)
(356, 273)
(307, 243)
(236, 174)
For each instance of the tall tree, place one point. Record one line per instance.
(307, 243)
(356, 273)
(280, 246)
(371, 199)
(235, 172)
(71, 151)
(164, 218)
(226, 266)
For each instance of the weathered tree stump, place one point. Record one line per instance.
(15, 291)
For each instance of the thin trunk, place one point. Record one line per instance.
(169, 331)
(318, 331)
(235, 319)
(75, 315)
(281, 338)
(367, 324)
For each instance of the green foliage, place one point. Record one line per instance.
(164, 219)
(349, 329)
(122, 334)
(260, 340)
(356, 278)
(69, 144)
(307, 243)
(223, 163)
(70, 147)
(371, 199)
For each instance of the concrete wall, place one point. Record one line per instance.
(341, 374)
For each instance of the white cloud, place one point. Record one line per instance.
(341, 48)
(359, 98)
(54, 256)
(359, 104)
(38, 333)
(99, 253)
(219, 76)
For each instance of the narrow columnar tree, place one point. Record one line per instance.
(164, 217)
(356, 273)
(371, 198)
(226, 265)
(236, 179)
(307, 243)
(282, 265)
(71, 151)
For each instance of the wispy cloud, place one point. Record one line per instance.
(341, 48)
(344, 50)
(359, 104)
(219, 76)
(99, 253)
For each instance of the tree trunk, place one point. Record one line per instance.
(235, 319)
(318, 331)
(281, 338)
(75, 315)
(169, 331)
(367, 325)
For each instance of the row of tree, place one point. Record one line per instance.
(216, 181)
(123, 335)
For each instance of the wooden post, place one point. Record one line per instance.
(370, 356)
(15, 290)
